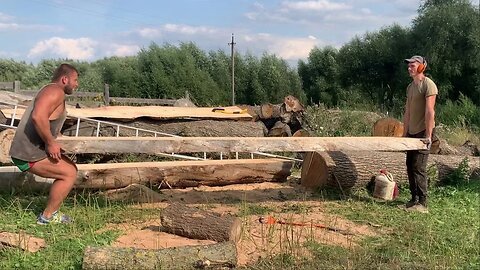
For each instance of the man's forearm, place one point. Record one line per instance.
(429, 124)
(42, 127)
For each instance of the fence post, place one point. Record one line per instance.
(16, 86)
(106, 95)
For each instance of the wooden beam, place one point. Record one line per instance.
(154, 145)
(154, 112)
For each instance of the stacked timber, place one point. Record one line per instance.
(280, 120)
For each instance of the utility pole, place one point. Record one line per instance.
(232, 44)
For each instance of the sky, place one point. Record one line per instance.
(89, 30)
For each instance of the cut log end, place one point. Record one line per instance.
(200, 224)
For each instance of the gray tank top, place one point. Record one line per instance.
(27, 144)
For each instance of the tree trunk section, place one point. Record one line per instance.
(388, 127)
(200, 224)
(188, 257)
(186, 128)
(175, 174)
(347, 170)
(280, 130)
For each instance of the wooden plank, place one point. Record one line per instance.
(153, 145)
(155, 112)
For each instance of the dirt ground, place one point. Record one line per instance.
(286, 202)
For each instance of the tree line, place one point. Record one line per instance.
(367, 72)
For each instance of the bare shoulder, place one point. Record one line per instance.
(51, 91)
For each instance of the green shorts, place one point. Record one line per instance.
(22, 164)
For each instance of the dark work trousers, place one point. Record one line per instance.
(417, 170)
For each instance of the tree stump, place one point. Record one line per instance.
(347, 170)
(188, 257)
(388, 127)
(200, 224)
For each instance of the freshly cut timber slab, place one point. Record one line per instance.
(155, 112)
(154, 145)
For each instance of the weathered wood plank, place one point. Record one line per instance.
(154, 112)
(153, 145)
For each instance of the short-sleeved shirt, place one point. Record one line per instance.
(416, 95)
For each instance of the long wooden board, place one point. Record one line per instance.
(154, 112)
(153, 145)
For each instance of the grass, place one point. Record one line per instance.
(65, 244)
(446, 238)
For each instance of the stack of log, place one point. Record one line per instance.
(184, 221)
(280, 120)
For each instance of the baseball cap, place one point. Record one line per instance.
(415, 58)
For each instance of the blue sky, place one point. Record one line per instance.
(89, 30)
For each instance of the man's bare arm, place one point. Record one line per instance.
(406, 118)
(46, 103)
(429, 115)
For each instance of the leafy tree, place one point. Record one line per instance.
(448, 33)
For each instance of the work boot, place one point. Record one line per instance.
(410, 204)
(421, 206)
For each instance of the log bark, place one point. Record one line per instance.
(188, 257)
(200, 224)
(280, 129)
(186, 128)
(176, 174)
(151, 145)
(6, 138)
(347, 170)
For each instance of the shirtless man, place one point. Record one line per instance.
(34, 147)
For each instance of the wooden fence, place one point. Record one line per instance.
(105, 96)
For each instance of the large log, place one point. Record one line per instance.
(200, 224)
(347, 170)
(189, 257)
(388, 127)
(186, 128)
(178, 174)
(151, 145)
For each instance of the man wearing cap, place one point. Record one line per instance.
(419, 122)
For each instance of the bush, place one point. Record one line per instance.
(463, 113)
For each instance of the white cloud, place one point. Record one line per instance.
(288, 48)
(9, 26)
(319, 5)
(180, 29)
(78, 49)
(5, 17)
(122, 50)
